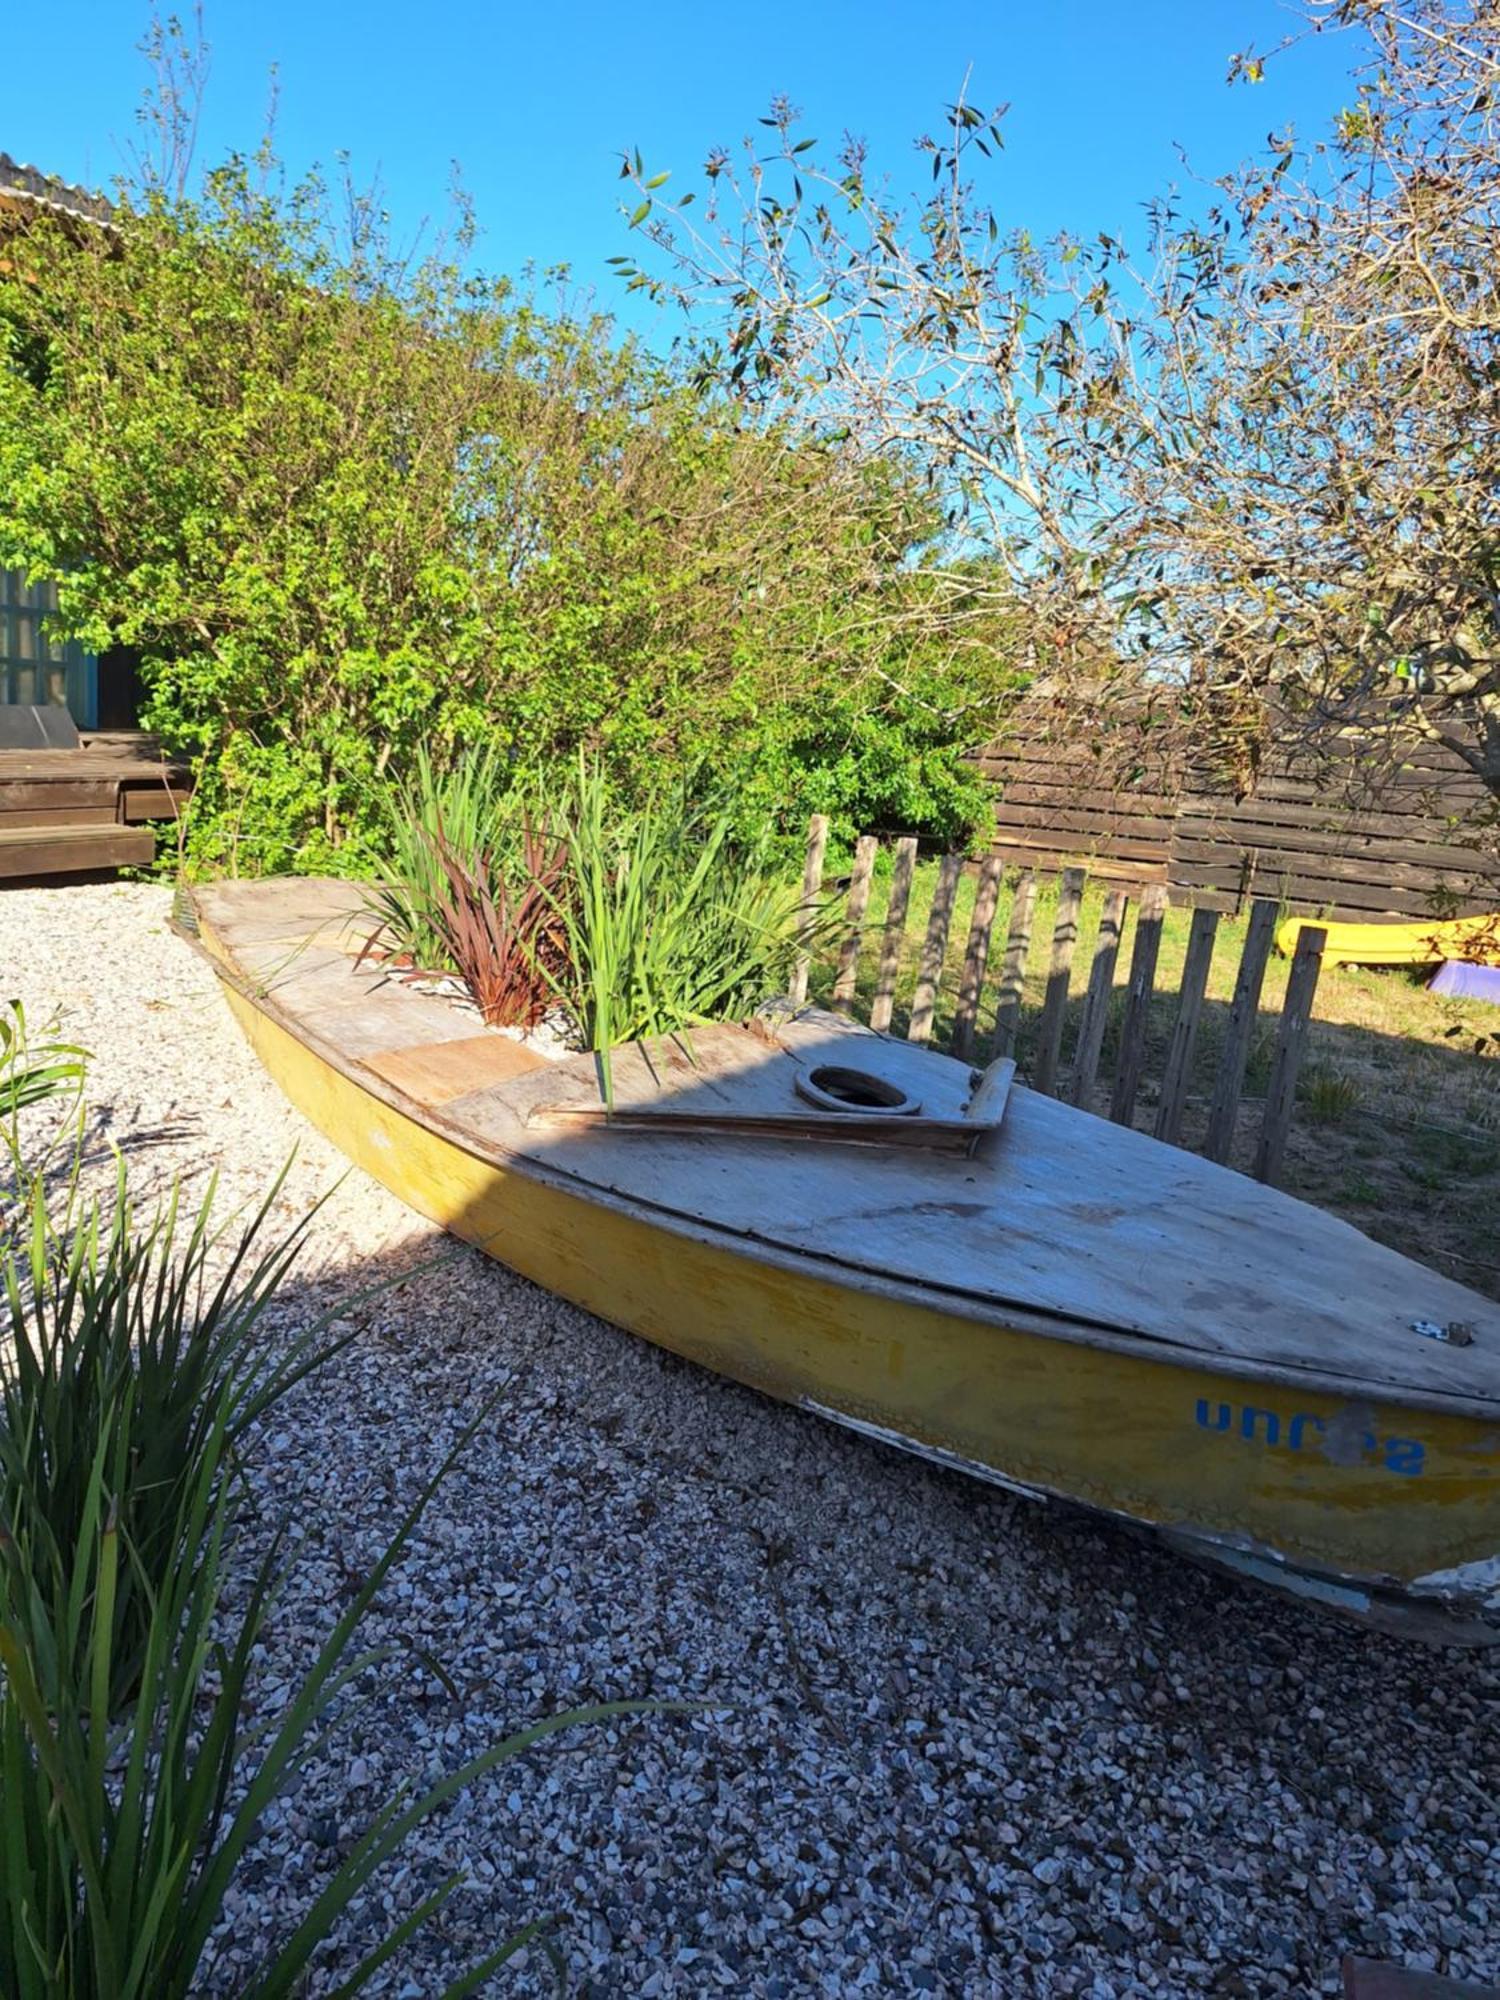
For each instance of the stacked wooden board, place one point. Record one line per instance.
(70, 811)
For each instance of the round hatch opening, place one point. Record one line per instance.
(832, 1087)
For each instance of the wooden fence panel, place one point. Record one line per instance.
(1096, 1005)
(1291, 1040)
(977, 956)
(859, 901)
(894, 935)
(1138, 1004)
(1178, 1073)
(1013, 967)
(1243, 1008)
(1055, 1006)
(934, 949)
(812, 882)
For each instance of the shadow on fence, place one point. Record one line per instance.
(1096, 1054)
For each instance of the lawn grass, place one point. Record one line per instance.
(1398, 1118)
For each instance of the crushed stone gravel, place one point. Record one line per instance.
(951, 1742)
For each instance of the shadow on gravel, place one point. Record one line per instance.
(968, 1744)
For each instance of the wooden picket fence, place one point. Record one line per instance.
(974, 1040)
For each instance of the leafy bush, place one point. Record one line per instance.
(341, 507)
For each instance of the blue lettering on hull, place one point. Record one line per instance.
(1255, 1425)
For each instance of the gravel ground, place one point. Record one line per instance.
(957, 1743)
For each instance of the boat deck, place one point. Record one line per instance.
(1094, 1232)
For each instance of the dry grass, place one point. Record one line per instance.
(1398, 1121)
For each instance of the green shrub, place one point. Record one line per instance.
(341, 507)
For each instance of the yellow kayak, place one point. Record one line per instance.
(1426, 942)
(1057, 1304)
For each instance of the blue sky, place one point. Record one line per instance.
(537, 102)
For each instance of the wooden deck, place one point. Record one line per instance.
(66, 812)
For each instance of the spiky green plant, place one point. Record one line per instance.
(121, 1838)
(669, 925)
(465, 809)
(132, 1353)
(31, 1074)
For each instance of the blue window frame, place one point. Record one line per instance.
(34, 668)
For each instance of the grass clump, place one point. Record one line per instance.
(669, 924)
(1328, 1096)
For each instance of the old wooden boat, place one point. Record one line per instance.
(1004, 1284)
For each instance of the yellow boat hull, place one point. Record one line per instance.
(1425, 943)
(1362, 1505)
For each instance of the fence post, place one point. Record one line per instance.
(1096, 1006)
(1138, 1004)
(1179, 1070)
(977, 956)
(1236, 1051)
(1054, 1007)
(934, 949)
(812, 882)
(1291, 1040)
(1013, 967)
(859, 901)
(893, 934)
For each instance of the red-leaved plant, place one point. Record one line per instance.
(503, 937)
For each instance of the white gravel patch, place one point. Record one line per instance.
(967, 1746)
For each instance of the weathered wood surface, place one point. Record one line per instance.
(1138, 996)
(1096, 1001)
(976, 956)
(812, 883)
(1223, 1111)
(1055, 1005)
(1057, 1213)
(934, 949)
(1365, 834)
(1291, 1042)
(1178, 1072)
(893, 937)
(847, 977)
(1013, 966)
(72, 811)
(434, 1072)
(68, 850)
